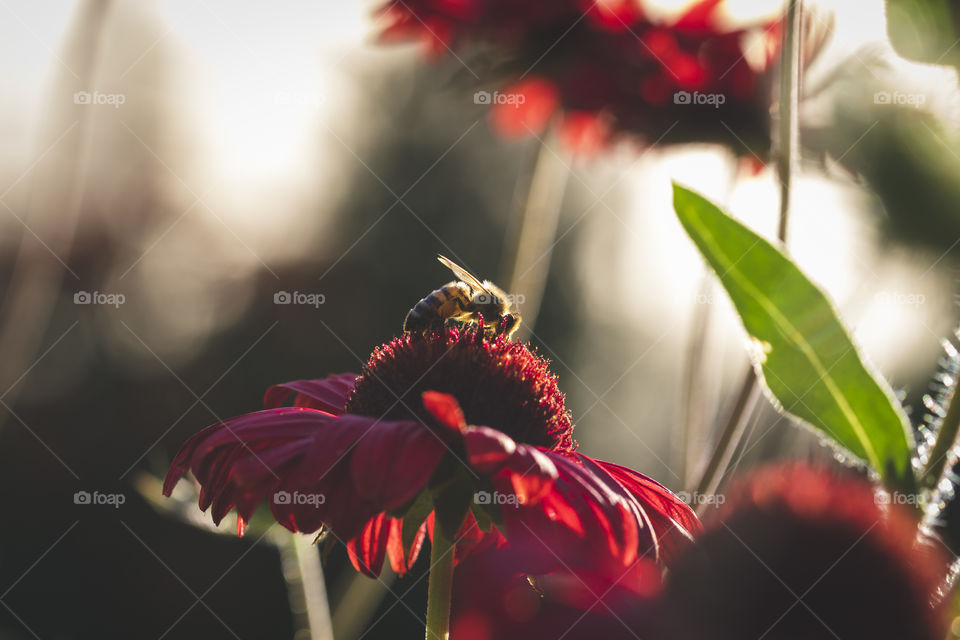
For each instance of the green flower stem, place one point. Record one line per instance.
(441, 583)
(315, 620)
(747, 398)
(788, 123)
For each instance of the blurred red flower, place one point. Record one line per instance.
(607, 68)
(494, 601)
(380, 459)
(799, 552)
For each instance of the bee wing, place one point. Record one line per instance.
(462, 273)
(496, 291)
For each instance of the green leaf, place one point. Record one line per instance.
(452, 502)
(418, 511)
(484, 518)
(925, 30)
(804, 355)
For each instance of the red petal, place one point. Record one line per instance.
(213, 453)
(368, 549)
(306, 463)
(530, 471)
(699, 17)
(615, 15)
(399, 562)
(488, 450)
(390, 466)
(445, 409)
(585, 520)
(326, 394)
(660, 43)
(674, 523)
(470, 538)
(524, 109)
(686, 71)
(558, 510)
(348, 449)
(584, 133)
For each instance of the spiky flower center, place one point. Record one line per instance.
(498, 383)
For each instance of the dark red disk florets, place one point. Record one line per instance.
(498, 383)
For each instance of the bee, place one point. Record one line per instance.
(466, 300)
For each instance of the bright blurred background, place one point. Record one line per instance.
(193, 159)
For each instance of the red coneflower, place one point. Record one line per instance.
(608, 68)
(380, 458)
(799, 552)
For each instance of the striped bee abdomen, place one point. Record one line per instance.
(432, 312)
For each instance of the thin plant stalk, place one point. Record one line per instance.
(306, 588)
(694, 413)
(947, 441)
(440, 588)
(694, 405)
(355, 600)
(736, 424)
(942, 492)
(788, 122)
(532, 232)
(786, 152)
(937, 475)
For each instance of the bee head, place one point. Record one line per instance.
(490, 305)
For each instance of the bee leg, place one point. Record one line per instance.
(509, 325)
